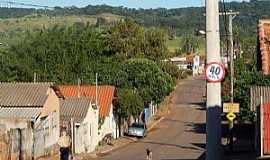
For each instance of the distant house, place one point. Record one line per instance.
(264, 46)
(79, 116)
(22, 105)
(104, 96)
(180, 62)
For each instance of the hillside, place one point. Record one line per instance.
(11, 29)
(182, 21)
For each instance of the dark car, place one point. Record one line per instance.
(137, 129)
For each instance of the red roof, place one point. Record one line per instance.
(264, 40)
(105, 95)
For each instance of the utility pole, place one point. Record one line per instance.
(231, 15)
(213, 104)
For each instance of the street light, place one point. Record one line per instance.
(202, 32)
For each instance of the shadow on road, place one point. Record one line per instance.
(199, 128)
(202, 157)
(168, 144)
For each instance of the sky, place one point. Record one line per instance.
(125, 3)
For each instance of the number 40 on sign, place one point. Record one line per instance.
(214, 72)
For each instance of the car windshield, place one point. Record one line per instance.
(137, 125)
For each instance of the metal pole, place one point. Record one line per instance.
(213, 104)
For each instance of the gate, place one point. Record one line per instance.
(39, 142)
(20, 144)
(266, 128)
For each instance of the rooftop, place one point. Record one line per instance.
(74, 108)
(105, 95)
(23, 94)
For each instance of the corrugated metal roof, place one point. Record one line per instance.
(20, 113)
(105, 95)
(74, 107)
(23, 94)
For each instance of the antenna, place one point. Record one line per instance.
(79, 88)
(35, 77)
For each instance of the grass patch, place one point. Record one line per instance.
(174, 44)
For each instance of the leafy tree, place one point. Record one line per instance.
(126, 39)
(156, 44)
(60, 54)
(129, 103)
(171, 69)
(148, 79)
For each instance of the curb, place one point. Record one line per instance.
(155, 123)
(129, 142)
(115, 148)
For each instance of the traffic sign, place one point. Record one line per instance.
(230, 116)
(215, 72)
(231, 107)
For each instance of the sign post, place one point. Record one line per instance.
(231, 108)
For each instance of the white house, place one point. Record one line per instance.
(81, 117)
(103, 97)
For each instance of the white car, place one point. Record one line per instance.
(137, 129)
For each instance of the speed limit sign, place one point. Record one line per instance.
(214, 72)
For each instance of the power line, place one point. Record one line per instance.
(10, 3)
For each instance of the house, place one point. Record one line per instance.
(103, 96)
(260, 105)
(21, 106)
(264, 46)
(79, 116)
(180, 62)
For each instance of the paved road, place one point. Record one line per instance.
(181, 135)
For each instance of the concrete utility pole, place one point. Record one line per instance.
(231, 15)
(213, 104)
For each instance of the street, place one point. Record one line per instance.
(181, 135)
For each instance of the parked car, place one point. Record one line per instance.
(137, 129)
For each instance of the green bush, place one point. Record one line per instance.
(171, 69)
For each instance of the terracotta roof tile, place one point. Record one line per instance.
(264, 41)
(105, 95)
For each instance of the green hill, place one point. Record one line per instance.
(182, 21)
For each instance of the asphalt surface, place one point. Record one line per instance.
(180, 136)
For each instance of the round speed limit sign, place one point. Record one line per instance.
(214, 72)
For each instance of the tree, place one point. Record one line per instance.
(148, 79)
(59, 54)
(156, 44)
(130, 103)
(126, 39)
